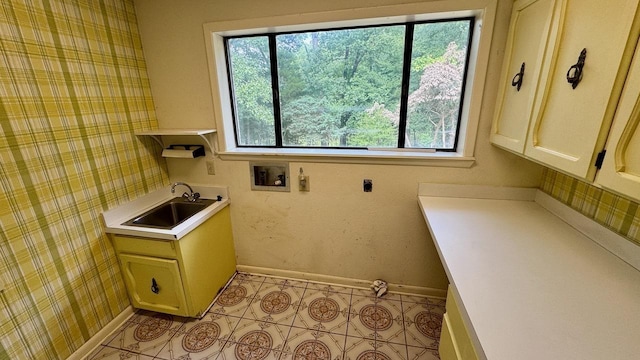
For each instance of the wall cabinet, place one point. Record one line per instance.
(179, 277)
(580, 54)
(526, 45)
(455, 341)
(621, 167)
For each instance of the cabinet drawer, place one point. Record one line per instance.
(154, 284)
(142, 246)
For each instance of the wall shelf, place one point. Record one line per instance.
(204, 134)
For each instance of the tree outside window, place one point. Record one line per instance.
(343, 88)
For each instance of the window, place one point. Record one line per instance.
(297, 122)
(387, 86)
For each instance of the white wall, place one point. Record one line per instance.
(336, 229)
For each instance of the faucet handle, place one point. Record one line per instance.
(195, 196)
(186, 196)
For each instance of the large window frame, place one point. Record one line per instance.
(482, 11)
(404, 88)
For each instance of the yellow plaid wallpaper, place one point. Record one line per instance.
(615, 212)
(73, 89)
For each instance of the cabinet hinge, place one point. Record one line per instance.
(600, 159)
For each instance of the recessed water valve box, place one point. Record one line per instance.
(269, 176)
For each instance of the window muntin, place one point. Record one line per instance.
(351, 88)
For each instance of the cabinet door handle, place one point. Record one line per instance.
(154, 286)
(517, 79)
(574, 74)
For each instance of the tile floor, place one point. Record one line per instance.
(259, 317)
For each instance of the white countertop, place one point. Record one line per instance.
(114, 218)
(531, 285)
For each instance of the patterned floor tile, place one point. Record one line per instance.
(147, 333)
(306, 344)
(355, 347)
(381, 320)
(243, 277)
(254, 338)
(275, 303)
(284, 283)
(386, 350)
(236, 298)
(108, 353)
(138, 316)
(263, 318)
(422, 354)
(329, 288)
(251, 286)
(234, 351)
(324, 311)
(200, 338)
(423, 323)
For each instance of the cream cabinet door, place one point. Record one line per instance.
(621, 167)
(526, 46)
(569, 126)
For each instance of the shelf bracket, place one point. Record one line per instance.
(158, 139)
(211, 144)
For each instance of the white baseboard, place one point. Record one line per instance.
(97, 339)
(350, 282)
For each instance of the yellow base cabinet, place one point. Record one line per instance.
(179, 277)
(154, 283)
(455, 341)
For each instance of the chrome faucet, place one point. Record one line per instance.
(190, 196)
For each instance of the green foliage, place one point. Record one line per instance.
(308, 121)
(375, 128)
(433, 107)
(342, 87)
(251, 78)
(430, 41)
(343, 72)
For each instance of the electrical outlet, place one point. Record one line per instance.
(367, 185)
(211, 167)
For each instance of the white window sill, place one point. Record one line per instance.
(340, 156)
